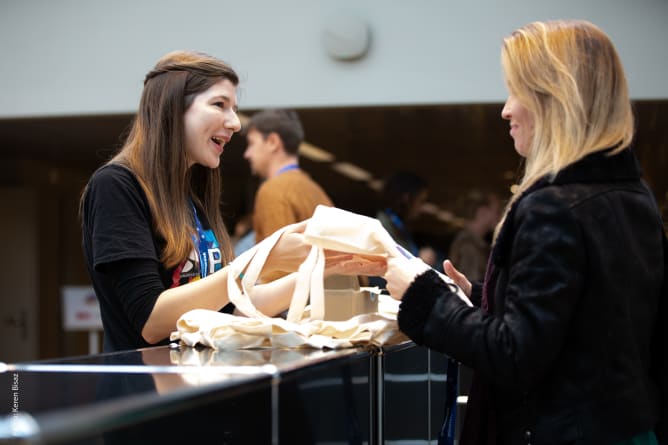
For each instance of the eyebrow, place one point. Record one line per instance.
(226, 98)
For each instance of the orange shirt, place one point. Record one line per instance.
(285, 199)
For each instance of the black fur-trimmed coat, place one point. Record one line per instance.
(572, 348)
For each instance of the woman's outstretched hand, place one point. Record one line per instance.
(291, 250)
(458, 277)
(338, 263)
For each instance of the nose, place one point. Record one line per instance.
(233, 122)
(505, 111)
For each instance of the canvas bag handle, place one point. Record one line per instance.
(343, 231)
(249, 265)
(328, 228)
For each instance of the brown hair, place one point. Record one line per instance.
(155, 152)
(285, 123)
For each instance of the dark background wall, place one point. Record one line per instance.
(455, 147)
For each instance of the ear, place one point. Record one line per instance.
(274, 141)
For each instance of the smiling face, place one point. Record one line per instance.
(521, 124)
(210, 122)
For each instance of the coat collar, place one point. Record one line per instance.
(596, 167)
(599, 167)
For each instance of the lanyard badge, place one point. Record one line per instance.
(208, 249)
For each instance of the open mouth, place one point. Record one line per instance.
(218, 141)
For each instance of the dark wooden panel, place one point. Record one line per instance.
(455, 147)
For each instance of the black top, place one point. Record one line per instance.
(570, 350)
(122, 253)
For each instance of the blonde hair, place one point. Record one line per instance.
(569, 77)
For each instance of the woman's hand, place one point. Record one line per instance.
(400, 274)
(290, 250)
(458, 277)
(338, 263)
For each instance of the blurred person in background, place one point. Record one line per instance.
(470, 248)
(287, 193)
(401, 200)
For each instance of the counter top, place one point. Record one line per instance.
(60, 399)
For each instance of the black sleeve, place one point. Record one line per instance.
(517, 346)
(476, 293)
(137, 285)
(118, 218)
(417, 303)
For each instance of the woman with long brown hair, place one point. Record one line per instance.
(154, 240)
(568, 341)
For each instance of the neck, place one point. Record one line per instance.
(281, 167)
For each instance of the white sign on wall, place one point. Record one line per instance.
(81, 311)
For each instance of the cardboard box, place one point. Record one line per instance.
(342, 304)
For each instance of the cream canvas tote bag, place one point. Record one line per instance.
(329, 228)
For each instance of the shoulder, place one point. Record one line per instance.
(289, 185)
(291, 177)
(534, 218)
(568, 198)
(113, 176)
(552, 204)
(115, 185)
(555, 195)
(269, 187)
(297, 176)
(547, 200)
(582, 198)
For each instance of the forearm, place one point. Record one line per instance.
(274, 297)
(208, 293)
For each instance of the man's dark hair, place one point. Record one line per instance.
(285, 123)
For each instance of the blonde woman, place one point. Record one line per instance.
(568, 342)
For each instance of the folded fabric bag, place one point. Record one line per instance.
(329, 228)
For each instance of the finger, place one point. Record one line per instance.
(364, 256)
(338, 258)
(458, 277)
(450, 270)
(370, 257)
(361, 268)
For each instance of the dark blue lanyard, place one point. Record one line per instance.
(202, 244)
(287, 168)
(401, 227)
(449, 427)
